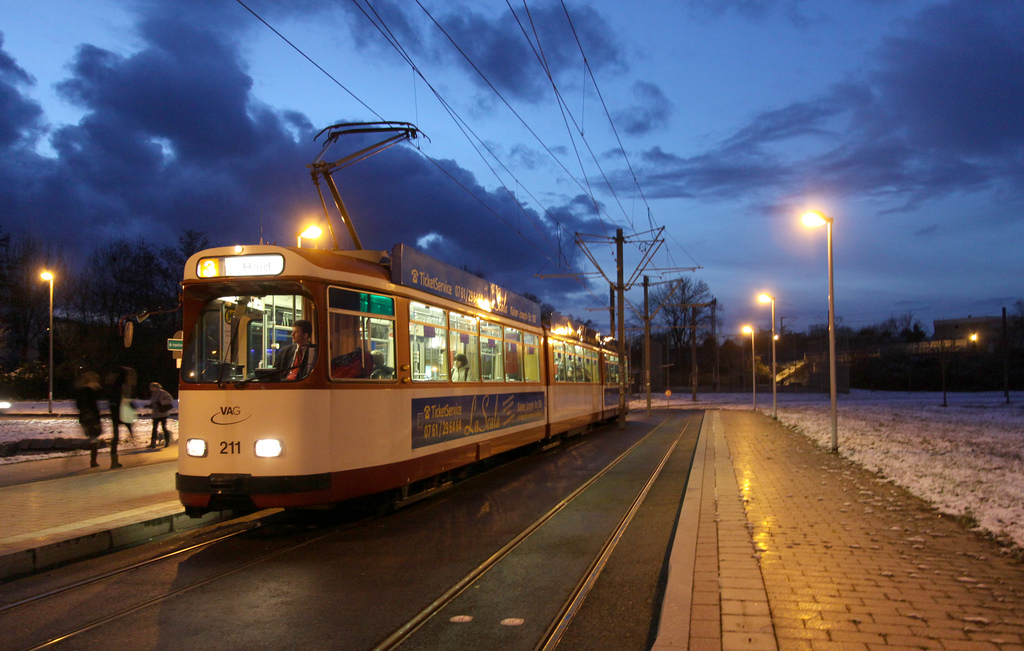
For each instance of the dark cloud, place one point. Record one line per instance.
(401, 196)
(144, 93)
(939, 112)
(494, 44)
(19, 116)
(498, 47)
(173, 139)
(651, 110)
(952, 83)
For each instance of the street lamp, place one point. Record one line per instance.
(311, 233)
(814, 219)
(48, 276)
(765, 298)
(753, 361)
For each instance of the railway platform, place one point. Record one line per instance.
(59, 509)
(780, 545)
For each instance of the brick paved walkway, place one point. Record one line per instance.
(852, 562)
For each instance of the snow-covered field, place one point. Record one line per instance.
(967, 458)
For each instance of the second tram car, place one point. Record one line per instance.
(310, 377)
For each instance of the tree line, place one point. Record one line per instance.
(880, 356)
(120, 277)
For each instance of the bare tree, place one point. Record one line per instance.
(123, 277)
(190, 242)
(24, 296)
(680, 317)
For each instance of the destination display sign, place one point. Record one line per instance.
(410, 268)
(271, 264)
(438, 420)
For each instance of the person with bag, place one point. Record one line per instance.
(119, 392)
(160, 405)
(87, 391)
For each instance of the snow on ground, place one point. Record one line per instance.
(66, 426)
(967, 458)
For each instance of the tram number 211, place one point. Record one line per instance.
(230, 447)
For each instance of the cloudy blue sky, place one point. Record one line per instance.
(719, 120)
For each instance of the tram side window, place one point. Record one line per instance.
(531, 357)
(428, 342)
(513, 355)
(362, 335)
(560, 362)
(576, 365)
(491, 368)
(611, 369)
(465, 342)
(591, 368)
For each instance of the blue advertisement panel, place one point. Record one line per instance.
(410, 268)
(611, 397)
(438, 420)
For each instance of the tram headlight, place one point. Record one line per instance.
(195, 448)
(268, 448)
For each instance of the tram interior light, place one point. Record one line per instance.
(268, 448)
(195, 448)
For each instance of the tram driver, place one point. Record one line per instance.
(296, 360)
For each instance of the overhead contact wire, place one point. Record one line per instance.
(294, 47)
(464, 127)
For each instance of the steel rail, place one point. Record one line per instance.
(108, 575)
(410, 627)
(173, 593)
(572, 606)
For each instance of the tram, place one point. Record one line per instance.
(311, 377)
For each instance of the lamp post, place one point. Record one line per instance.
(753, 362)
(311, 233)
(48, 276)
(765, 298)
(815, 218)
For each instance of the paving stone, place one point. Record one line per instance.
(852, 562)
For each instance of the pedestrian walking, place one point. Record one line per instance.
(119, 402)
(160, 405)
(87, 393)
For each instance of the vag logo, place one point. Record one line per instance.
(228, 416)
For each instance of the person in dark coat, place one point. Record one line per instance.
(87, 393)
(160, 405)
(119, 391)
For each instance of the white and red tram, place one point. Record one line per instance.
(376, 403)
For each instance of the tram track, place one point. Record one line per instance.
(145, 602)
(49, 594)
(552, 635)
(248, 527)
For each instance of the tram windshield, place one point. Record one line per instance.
(250, 339)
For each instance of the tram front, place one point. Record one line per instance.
(252, 413)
